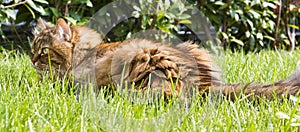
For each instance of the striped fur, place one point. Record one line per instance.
(169, 70)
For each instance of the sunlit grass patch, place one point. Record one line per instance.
(26, 103)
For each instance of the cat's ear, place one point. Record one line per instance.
(63, 30)
(40, 26)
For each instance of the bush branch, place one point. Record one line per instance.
(13, 5)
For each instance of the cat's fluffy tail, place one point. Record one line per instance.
(285, 88)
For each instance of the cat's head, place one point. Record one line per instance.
(52, 47)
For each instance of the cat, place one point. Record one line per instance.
(144, 64)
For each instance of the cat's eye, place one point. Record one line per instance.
(45, 50)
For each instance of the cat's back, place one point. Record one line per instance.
(107, 47)
(140, 61)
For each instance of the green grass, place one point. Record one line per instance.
(27, 104)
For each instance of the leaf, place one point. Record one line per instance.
(261, 43)
(11, 13)
(247, 2)
(136, 14)
(272, 24)
(225, 36)
(250, 23)
(83, 21)
(247, 33)
(70, 19)
(237, 41)
(255, 2)
(255, 14)
(268, 4)
(220, 3)
(286, 41)
(136, 8)
(38, 8)
(239, 12)
(164, 28)
(184, 16)
(293, 26)
(232, 13)
(89, 3)
(169, 15)
(54, 11)
(184, 22)
(236, 17)
(42, 1)
(283, 36)
(259, 36)
(269, 37)
(160, 14)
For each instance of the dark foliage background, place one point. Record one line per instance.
(249, 25)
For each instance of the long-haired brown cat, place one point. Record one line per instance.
(145, 64)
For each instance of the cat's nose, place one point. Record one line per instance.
(33, 61)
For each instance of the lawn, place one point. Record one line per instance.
(26, 104)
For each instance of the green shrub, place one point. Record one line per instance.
(249, 25)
